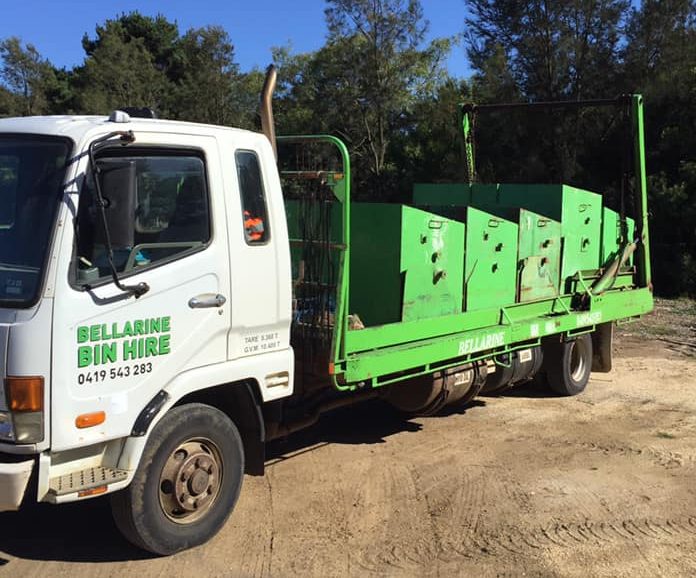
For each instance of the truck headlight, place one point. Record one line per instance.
(24, 421)
(28, 428)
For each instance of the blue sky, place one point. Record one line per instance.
(56, 27)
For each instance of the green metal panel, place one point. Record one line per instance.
(375, 283)
(432, 261)
(612, 235)
(440, 194)
(581, 226)
(539, 256)
(407, 264)
(578, 211)
(491, 260)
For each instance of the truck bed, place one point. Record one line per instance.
(386, 292)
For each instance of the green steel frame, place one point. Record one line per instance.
(341, 190)
(385, 354)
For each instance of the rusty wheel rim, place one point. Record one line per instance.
(190, 481)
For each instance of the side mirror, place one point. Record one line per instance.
(118, 187)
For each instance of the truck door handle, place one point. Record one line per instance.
(206, 300)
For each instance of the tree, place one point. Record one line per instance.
(363, 84)
(208, 75)
(546, 51)
(26, 75)
(554, 50)
(159, 37)
(138, 60)
(660, 57)
(379, 50)
(121, 73)
(431, 150)
(133, 60)
(7, 102)
(62, 92)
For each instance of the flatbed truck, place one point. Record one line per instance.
(175, 295)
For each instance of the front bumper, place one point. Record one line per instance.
(14, 479)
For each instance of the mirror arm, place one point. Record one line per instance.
(126, 137)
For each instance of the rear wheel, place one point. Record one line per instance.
(187, 483)
(568, 364)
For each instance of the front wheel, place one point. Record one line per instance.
(187, 483)
(568, 364)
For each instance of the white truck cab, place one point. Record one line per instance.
(108, 321)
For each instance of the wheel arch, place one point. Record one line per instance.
(241, 402)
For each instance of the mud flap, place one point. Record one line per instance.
(602, 338)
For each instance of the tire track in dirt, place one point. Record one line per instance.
(660, 457)
(450, 505)
(462, 500)
(560, 534)
(525, 543)
(455, 497)
(252, 533)
(437, 501)
(389, 506)
(664, 458)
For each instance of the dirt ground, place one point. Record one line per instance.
(525, 484)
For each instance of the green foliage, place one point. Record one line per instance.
(364, 85)
(377, 84)
(554, 50)
(660, 61)
(208, 72)
(26, 76)
(431, 151)
(7, 102)
(159, 37)
(574, 49)
(121, 72)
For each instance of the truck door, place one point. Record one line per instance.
(259, 254)
(113, 352)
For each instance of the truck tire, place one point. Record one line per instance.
(187, 483)
(568, 364)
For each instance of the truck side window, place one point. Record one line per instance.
(171, 216)
(254, 213)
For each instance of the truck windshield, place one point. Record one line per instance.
(32, 170)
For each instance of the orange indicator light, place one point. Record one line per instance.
(91, 492)
(90, 419)
(25, 394)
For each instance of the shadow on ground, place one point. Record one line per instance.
(536, 388)
(85, 532)
(370, 422)
(76, 532)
